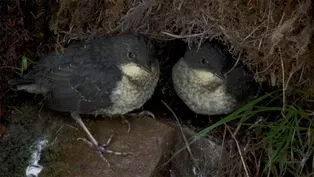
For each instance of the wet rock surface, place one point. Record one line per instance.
(49, 141)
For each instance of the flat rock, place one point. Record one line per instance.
(50, 144)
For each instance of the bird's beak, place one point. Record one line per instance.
(220, 75)
(147, 67)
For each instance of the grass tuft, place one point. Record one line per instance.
(274, 140)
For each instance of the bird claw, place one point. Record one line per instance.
(143, 113)
(102, 148)
(147, 113)
(126, 121)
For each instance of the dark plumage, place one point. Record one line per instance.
(201, 81)
(107, 75)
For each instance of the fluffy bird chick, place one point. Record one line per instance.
(200, 80)
(105, 76)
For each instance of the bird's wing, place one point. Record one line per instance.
(241, 84)
(84, 80)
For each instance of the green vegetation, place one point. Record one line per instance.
(280, 139)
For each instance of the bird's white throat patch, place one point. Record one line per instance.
(204, 76)
(132, 69)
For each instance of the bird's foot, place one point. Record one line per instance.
(124, 120)
(143, 113)
(102, 148)
(147, 113)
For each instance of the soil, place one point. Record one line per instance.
(24, 31)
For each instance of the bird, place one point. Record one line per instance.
(106, 76)
(202, 79)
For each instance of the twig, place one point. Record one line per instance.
(235, 64)
(57, 133)
(301, 74)
(184, 137)
(239, 150)
(253, 31)
(200, 42)
(237, 129)
(180, 37)
(4, 94)
(283, 84)
(224, 32)
(10, 67)
(258, 166)
(260, 72)
(222, 145)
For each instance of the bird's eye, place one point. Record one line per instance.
(130, 55)
(204, 61)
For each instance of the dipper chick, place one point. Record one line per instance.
(106, 76)
(199, 80)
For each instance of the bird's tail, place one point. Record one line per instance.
(17, 82)
(27, 85)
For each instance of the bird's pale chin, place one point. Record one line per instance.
(133, 70)
(146, 69)
(220, 75)
(150, 67)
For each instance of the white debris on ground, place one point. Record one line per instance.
(33, 169)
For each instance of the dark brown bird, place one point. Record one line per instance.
(106, 76)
